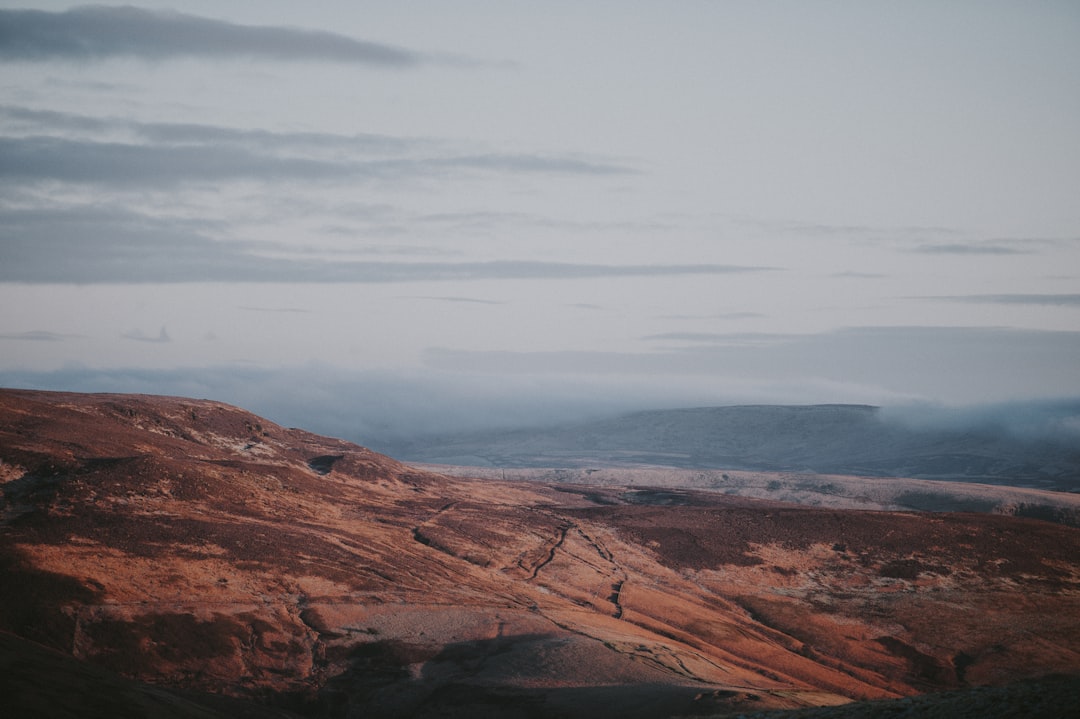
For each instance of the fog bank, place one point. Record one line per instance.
(382, 407)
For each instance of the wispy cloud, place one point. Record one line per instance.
(58, 155)
(41, 158)
(853, 275)
(36, 121)
(139, 336)
(971, 248)
(841, 231)
(281, 310)
(79, 243)
(1067, 300)
(467, 300)
(725, 338)
(36, 336)
(493, 221)
(97, 33)
(714, 316)
(525, 163)
(112, 245)
(50, 146)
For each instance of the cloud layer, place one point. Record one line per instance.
(110, 154)
(54, 157)
(274, 195)
(88, 245)
(1063, 300)
(97, 32)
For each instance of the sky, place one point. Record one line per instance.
(387, 218)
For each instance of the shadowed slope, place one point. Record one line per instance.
(39, 682)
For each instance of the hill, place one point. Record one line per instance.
(814, 490)
(820, 439)
(200, 554)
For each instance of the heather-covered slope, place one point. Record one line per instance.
(814, 490)
(194, 546)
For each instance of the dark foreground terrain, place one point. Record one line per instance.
(175, 557)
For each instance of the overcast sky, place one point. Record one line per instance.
(371, 217)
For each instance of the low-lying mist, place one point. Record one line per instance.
(1047, 420)
(387, 407)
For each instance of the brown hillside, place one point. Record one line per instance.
(192, 545)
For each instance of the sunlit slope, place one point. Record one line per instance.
(195, 546)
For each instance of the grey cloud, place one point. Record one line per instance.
(406, 250)
(533, 164)
(473, 219)
(393, 222)
(398, 249)
(805, 228)
(282, 310)
(978, 248)
(98, 32)
(196, 134)
(1066, 300)
(139, 336)
(40, 122)
(493, 220)
(521, 270)
(724, 338)
(94, 216)
(858, 275)
(468, 300)
(717, 316)
(101, 245)
(46, 158)
(30, 159)
(37, 119)
(852, 232)
(83, 84)
(117, 153)
(36, 336)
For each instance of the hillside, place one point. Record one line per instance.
(813, 490)
(193, 550)
(820, 439)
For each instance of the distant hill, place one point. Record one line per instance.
(823, 439)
